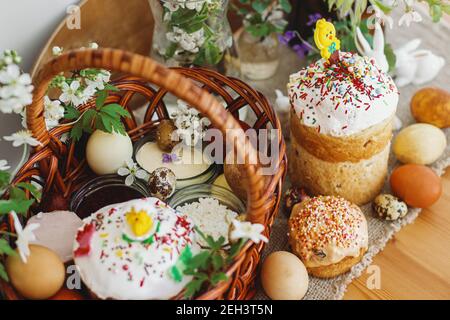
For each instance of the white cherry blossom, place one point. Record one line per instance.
(4, 165)
(53, 112)
(408, 17)
(71, 94)
(22, 137)
(132, 171)
(24, 237)
(247, 230)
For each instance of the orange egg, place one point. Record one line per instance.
(66, 294)
(416, 184)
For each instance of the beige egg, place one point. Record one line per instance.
(284, 277)
(107, 152)
(41, 277)
(419, 143)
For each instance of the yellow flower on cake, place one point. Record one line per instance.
(139, 221)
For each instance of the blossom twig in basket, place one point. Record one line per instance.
(77, 89)
(207, 268)
(17, 201)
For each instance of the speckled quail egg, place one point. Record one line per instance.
(389, 207)
(162, 183)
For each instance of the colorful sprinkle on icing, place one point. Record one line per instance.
(83, 238)
(325, 221)
(342, 97)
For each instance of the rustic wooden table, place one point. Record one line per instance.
(416, 262)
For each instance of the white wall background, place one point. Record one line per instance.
(25, 25)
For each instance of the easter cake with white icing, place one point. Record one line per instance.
(341, 126)
(129, 250)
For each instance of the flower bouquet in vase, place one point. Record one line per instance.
(193, 32)
(258, 42)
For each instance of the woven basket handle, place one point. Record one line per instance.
(173, 82)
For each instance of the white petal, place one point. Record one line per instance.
(75, 85)
(17, 224)
(141, 174)
(123, 172)
(129, 180)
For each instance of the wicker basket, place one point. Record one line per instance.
(56, 163)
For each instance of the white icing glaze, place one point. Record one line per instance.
(327, 229)
(119, 269)
(343, 99)
(335, 253)
(57, 231)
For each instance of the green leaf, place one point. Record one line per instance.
(213, 55)
(390, 56)
(183, 16)
(170, 50)
(101, 98)
(5, 248)
(259, 6)
(3, 273)
(71, 113)
(35, 192)
(200, 260)
(445, 8)
(217, 277)
(217, 261)
(77, 131)
(19, 206)
(346, 6)
(235, 249)
(193, 27)
(114, 109)
(88, 119)
(436, 12)
(5, 177)
(17, 194)
(382, 6)
(258, 30)
(110, 87)
(286, 5)
(193, 287)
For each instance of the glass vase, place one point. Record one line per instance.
(259, 56)
(194, 32)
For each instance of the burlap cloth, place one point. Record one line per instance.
(434, 37)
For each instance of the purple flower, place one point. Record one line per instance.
(301, 49)
(169, 157)
(313, 19)
(287, 37)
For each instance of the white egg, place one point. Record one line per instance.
(107, 152)
(284, 276)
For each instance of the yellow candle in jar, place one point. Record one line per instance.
(186, 162)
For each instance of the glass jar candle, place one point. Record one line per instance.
(211, 208)
(194, 32)
(191, 168)
(194, 193)
(103, 191)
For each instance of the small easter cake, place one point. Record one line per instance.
(329, 234)
(127, 251)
